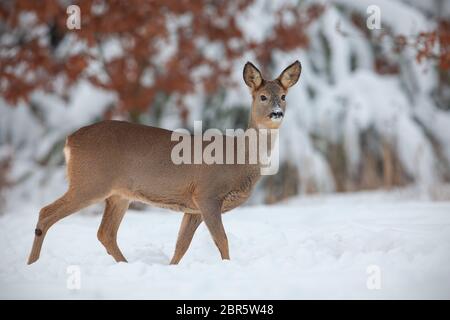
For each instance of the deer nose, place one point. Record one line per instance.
(276, 114)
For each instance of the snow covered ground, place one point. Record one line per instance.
(315, 247)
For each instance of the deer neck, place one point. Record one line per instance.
(252, 124)
(270, 135)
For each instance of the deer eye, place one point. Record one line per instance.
(263, 98)
(283, 97)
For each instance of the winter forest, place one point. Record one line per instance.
(366, 139)
(371, 111)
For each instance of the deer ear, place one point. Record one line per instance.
(252, 76)
(290, 75)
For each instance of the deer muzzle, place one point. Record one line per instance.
(276, 114)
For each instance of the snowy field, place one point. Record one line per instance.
(316, 247)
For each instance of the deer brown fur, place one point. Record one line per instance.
(119, 162)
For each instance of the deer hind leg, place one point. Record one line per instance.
(71, 202)
(212, 216)
(107, 232)
(189, 225)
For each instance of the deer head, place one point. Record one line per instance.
(269, 96)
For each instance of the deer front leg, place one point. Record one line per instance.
(211, 211)
(189, 225)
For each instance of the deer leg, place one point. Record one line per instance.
(188, 226)
(212, 216)
(107, 232)
(71, 202)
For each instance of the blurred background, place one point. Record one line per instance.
(371, 110)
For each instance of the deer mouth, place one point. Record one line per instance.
(276, 114)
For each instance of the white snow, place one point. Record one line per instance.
(314, 247)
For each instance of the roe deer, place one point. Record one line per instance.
(121, 162)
